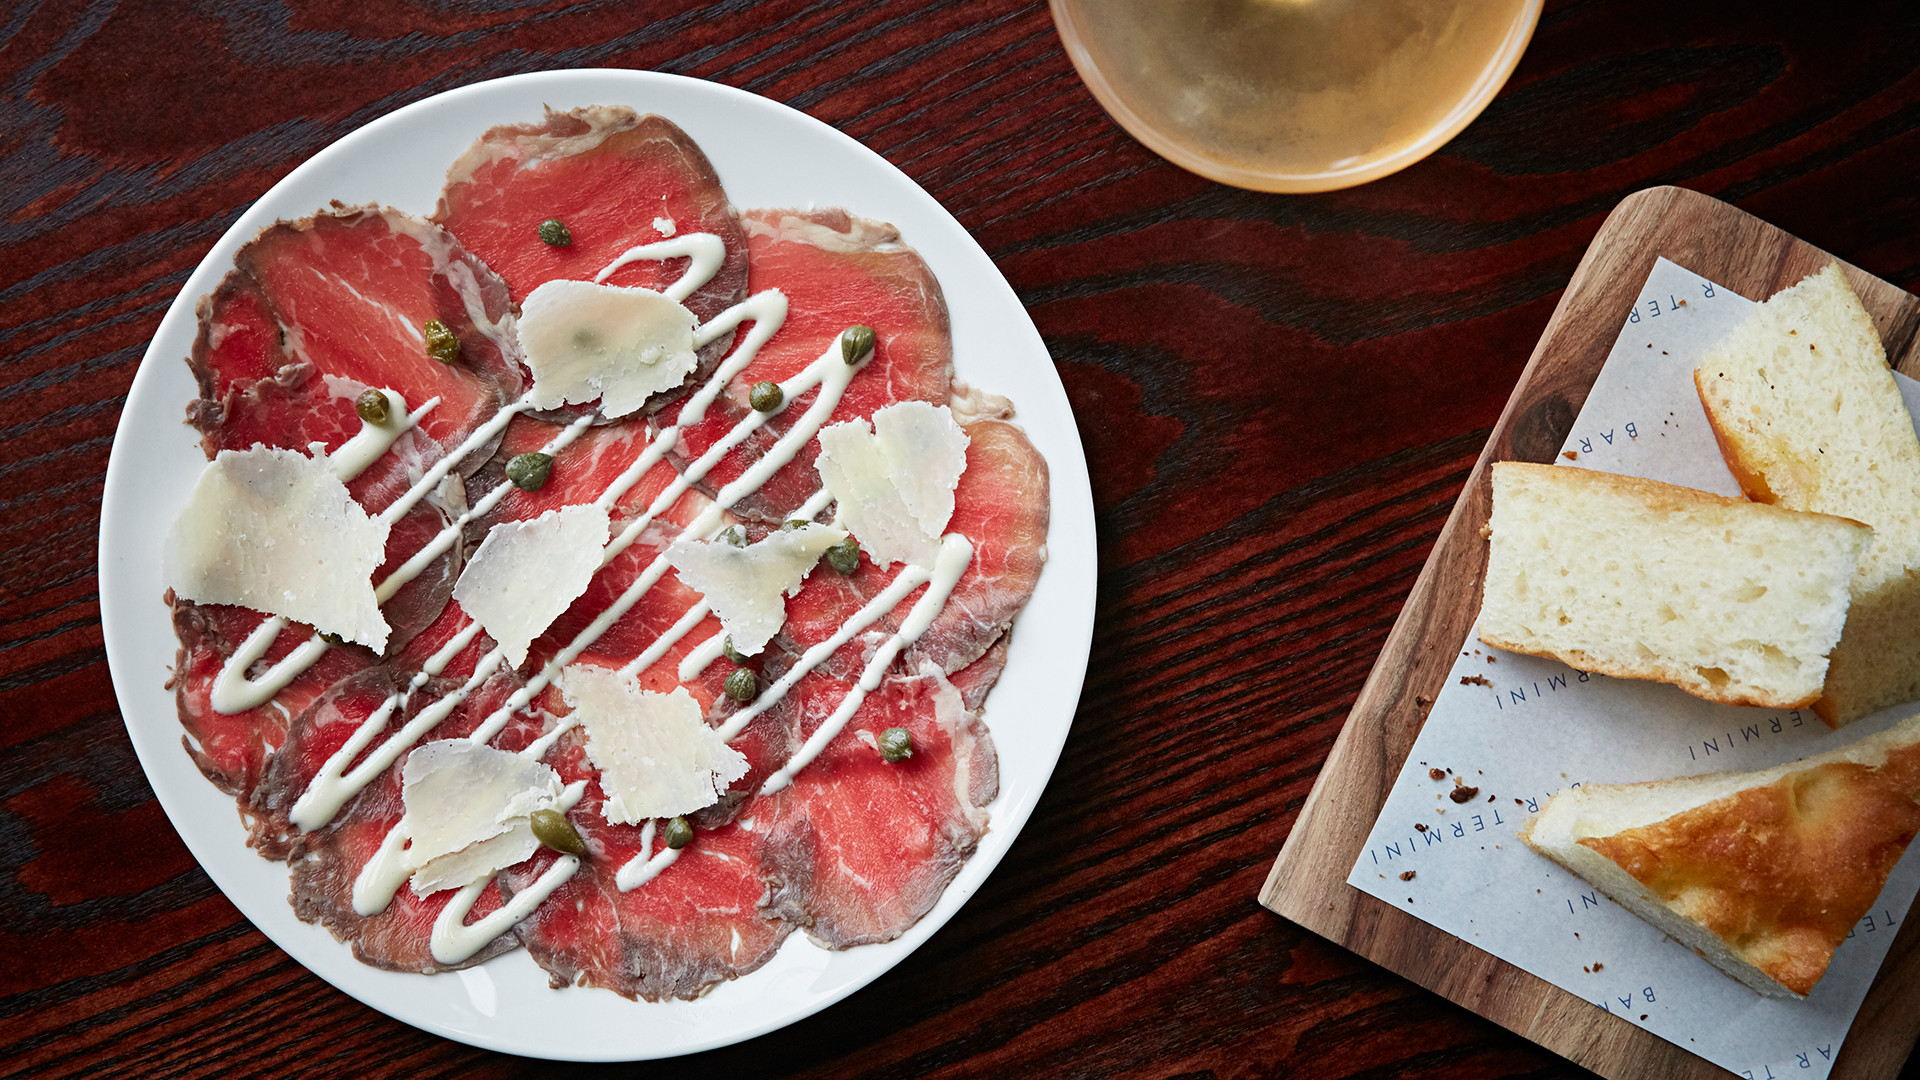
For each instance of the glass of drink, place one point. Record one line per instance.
(1294, 95)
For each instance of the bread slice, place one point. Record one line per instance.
(1808, 417)
(1732, 601)
(1762, 873)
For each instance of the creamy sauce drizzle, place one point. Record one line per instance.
(704, 251)
(454, 940)
(829, 372)
(956, 552)
(647, 865)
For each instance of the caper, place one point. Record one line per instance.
(766, 396)
(794, 523)
(530, 471)
(331, 639)
(896, 745)
(844, 556)
(731, 653)
(552, 828)
(679, 833)
(735, 535)
(372, 406)
(742, 685)
(441, 344)
(855, 343)
(554, 233)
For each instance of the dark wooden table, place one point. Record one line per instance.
(1280, 398)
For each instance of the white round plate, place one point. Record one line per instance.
(768, 156)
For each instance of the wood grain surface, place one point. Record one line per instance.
(1281, 398)
(1308, 882)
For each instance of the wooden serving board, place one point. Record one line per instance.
(1308, 883)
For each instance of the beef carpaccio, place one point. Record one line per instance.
(840, 772)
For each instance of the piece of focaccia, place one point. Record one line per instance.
(1808, 417)
(1761, 873)
(1732, 601)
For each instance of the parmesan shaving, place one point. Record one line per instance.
(894, 481)
(276, 531)
(468, 809)
(585, 341)
(747, 586)
(526, 573)
(656, 756)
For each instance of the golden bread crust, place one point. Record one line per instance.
(1781, 872)
(1685, 679)
(1727, 437)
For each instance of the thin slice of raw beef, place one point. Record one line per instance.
(858, 849)
(326, 862)
(1001, 505)
(837, 271)
(767, 741)
(582, 472)
(617, 180)
(232, 750)
(974, 680)
(698, 923)
(319, 309)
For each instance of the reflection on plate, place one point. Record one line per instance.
(767, 155)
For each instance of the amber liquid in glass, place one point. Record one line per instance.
(1295, 87)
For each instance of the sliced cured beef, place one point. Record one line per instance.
(858, 849)
(617, 180)
(639, 626)
(1001, 505)
(974, 680)
(767, 741)
(332, 716)
(319, 310)
(837, 271)
(582, 472)
(327, 861)
(232, 750)
(698, 923)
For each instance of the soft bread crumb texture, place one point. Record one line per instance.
(1808, 417)
(1731, 601)
(1761, 873)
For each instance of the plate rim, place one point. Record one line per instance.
(1073, 563)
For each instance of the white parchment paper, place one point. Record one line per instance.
(1520, 728)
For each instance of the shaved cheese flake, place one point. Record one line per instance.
(893, 482)
(526, 573)
(275, 530)
(585, 341)
(656, 756)
(747, 586)
(926, 452)
(468, 807)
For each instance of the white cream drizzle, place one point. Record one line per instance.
(705, 250)
(956, 552)
(647, 865)
(829, 372)
(365, 446)
(454, 939)
(232, 692)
